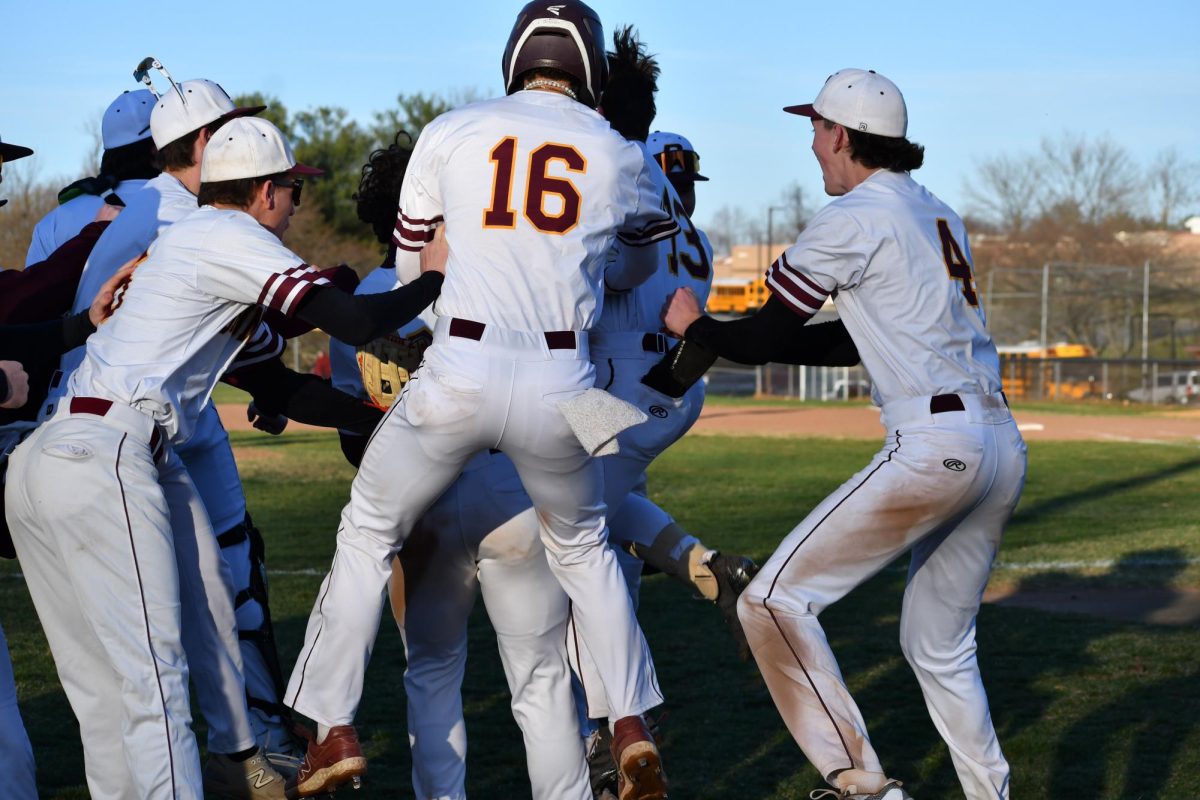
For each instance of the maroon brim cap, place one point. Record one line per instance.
(805, 110)
(304, 169)
(248, 111)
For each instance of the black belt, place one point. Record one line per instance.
(99, 406)
(951, 402)
(470, 329)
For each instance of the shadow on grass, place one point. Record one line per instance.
(1099, 491)
(1085, 708)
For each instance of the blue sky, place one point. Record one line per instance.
(980, 79)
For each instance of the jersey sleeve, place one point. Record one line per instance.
(650, 220)
(420, 210)
(252, 266)
(264, 345)
(830, 254)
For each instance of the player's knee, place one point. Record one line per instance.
(750, 605)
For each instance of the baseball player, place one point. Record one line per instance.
(182, 122)
(482, 532)
(626, 343)
(126, 165)
(532, 188)
(99, 501)
(951, 469)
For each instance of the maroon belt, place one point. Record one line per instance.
(99, 406)
(470, 329)
(950, 402)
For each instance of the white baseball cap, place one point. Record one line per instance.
(249, 147)
(675, 155)
(127, 119)
(861, 99)
(189, 106)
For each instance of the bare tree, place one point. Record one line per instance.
(1006, 192)
(1172, 185)
(28, 201)
(796, 213)
(1093, 180)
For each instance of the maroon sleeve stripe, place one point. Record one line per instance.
(795, 291)
(419, 223)
(800, 310)
(408, 248)
(415, 236)
(283, 289)
(795, 273)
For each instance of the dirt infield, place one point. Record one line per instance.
(862, 422)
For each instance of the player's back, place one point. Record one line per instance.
(532, 188)
(911, 304)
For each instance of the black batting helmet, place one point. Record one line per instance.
(565, 36)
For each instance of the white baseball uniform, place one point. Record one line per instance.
(63, 222)
(625, 343)
(100, 504)
(532, 187)
(482, 532)
(209, 460)
(945, 483)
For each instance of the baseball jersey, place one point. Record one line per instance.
(62, 223)
(896, 261)
(685, 260)
(532, 188)
(191, 307)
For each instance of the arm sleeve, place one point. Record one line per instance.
(43, 341)
(775, 334)
(303, 397)
(46, 288)
(357, 319)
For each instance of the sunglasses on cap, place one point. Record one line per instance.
(674, 158)
(295, 184)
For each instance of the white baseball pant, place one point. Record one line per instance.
(484, 530)
(944, 485)
(16, 754)
(500, 391)
(621, 362)
(96, 521)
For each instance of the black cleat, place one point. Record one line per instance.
(733, 574)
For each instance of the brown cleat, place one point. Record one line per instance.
(337, 760)
(639, 766)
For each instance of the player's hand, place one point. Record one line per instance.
(681, 310)
(108, 299)
(18, 384)
(268, 423)
(435, 254)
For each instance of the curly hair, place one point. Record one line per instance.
(378, 192)
(628, 99)
(895, 154)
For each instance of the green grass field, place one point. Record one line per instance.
(1086, 708)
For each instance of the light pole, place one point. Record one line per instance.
(771, 231)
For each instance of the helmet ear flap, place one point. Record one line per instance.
(566, 36)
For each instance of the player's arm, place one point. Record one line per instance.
(775, 334)
(303, 397)
(358, 318)
(649, 224)
(46, 288)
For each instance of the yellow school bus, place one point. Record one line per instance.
(737, 295)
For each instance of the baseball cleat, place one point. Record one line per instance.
(892, 790)
(733, 574)
(639, 766)
(329, 764)
(252, 779)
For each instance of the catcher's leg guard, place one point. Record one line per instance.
(681, 555)
(244, 549)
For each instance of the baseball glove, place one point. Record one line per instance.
(386, 364)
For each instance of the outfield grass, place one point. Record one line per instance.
(1086, 708)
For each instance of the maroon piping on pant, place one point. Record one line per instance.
(779, 574)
